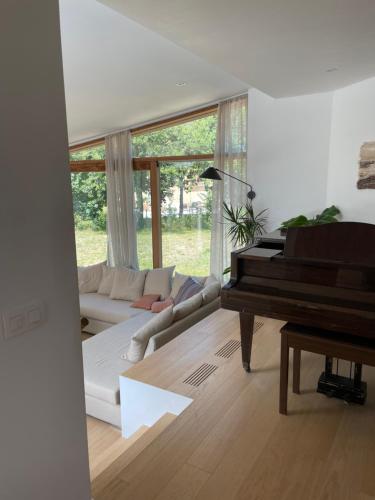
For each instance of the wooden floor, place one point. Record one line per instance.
(231, 442)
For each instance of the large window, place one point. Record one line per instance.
(194, 137)
(90, 209)
(143, 217)
(186, 216)
(172, 204)
(181, 152)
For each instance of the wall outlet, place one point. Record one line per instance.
(22, 319)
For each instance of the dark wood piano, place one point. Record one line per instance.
(320, 276)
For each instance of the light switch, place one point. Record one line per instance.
(34, 316)
(17, 322)
(23, 318)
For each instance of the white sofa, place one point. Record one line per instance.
(114, 322)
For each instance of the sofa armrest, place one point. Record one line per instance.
(180, 326)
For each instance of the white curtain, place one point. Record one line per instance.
(122, 241)
(230, 157)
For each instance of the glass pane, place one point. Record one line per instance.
(142, 203)
(93, 153)
(90, 214)
(194, 137)
(186, 209)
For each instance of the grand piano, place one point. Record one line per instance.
(320, 276)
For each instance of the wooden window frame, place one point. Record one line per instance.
(153, 167)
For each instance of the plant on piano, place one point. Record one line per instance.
(244, 225)
(326, 217)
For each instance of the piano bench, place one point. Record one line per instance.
(330, 344)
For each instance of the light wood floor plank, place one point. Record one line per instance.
(231, 443)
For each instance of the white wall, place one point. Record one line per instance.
(353, 123)
(43, 449)
(288, 153)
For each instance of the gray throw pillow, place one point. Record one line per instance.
(188, 289)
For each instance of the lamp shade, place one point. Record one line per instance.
(211, 173)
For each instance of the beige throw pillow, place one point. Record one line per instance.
(210, 280)
(89, 278)
(108, 276)
(128, 284)
(187, 307)
(158, 281)
(211, 291)
(179, 280)
(140, 339)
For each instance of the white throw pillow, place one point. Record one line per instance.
(211, 291)
(140, 339)
(128, 284)
(187, 307)
(210, 280)
(158, 282)
(179, 280)
(89, 278)
(106, 284)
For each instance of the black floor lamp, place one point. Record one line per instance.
(213, 174)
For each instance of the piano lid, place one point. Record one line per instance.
(349, 242)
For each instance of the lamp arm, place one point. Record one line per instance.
(233, 177)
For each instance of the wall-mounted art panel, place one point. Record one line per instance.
(366, 178)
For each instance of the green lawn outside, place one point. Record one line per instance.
(188, 249)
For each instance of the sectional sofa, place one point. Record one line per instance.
(124, 335)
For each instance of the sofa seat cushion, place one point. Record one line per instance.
(101, 307)
(103, 361)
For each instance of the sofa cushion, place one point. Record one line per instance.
(211, 291)
(146, 302)
(187, 307)
(179, 280)
(106, 282)
(128, 284)
(159, 281)
(140, 339)
(102, 361)
(188, 289)
(102, 308)
(89, 278)
(159, 306)
(211, 279)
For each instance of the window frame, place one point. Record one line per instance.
(150, 163)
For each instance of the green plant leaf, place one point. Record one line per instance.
(243, 224)
(326, 217)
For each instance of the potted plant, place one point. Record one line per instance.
(244, 225)
(328, 216)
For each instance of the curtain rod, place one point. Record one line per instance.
(150, 122)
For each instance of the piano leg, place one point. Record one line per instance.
(247, 329)
(357, 376)
(328, 368)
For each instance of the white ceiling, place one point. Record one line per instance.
(283, 47)
(118, 73)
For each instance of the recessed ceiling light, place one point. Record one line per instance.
(180, 84)
(331, 70)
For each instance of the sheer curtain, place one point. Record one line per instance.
(122, 241)
(231, 157)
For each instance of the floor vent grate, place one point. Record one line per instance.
(200, 374)
(257, 325)
(228, 349)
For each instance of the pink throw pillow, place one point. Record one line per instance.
(146, 301)
(158, 307)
